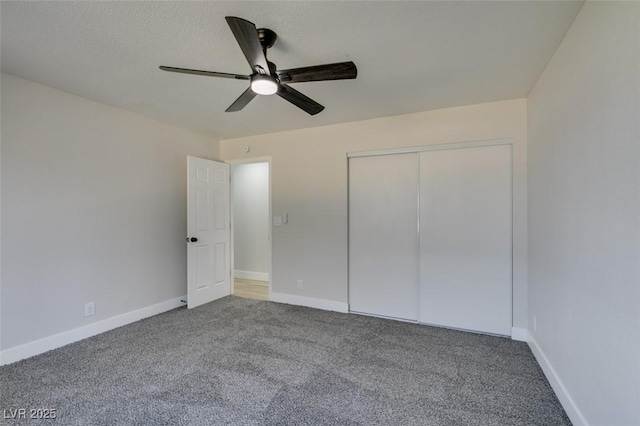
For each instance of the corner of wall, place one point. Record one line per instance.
(569, 405)
(215, 149)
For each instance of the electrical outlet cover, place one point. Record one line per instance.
(89, 309)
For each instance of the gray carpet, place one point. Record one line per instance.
(241, 361)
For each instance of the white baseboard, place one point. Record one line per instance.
(519, 334)
(46, 344)
(251, 275)
(574, 413)
(311, 302)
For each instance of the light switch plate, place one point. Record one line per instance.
(277, 221)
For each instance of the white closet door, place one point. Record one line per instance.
(465, 238)
(383, 235)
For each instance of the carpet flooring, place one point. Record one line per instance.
(250, 362)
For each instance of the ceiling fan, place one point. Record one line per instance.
(266, 79)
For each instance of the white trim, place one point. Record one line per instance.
(515, 332)
(46, 344)
(249, 160)
(519, 334)
(434, 147)
(569, 405)
(311, 302)
(251, 275)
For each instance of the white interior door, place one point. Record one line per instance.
(465, 238)
(208, 231)
(383, 235)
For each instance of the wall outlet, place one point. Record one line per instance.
(535, 323)
(300, 285)
(89, 309)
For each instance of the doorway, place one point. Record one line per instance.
(251, 237)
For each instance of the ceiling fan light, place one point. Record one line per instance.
(263, 85)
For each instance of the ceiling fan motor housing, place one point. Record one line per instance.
(267, 38)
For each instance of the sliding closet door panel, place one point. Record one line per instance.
(383, 236)
(465, 238)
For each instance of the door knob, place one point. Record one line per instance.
(192, 239)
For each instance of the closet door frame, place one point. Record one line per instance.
(438, 147)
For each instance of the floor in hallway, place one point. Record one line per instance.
(251, 289)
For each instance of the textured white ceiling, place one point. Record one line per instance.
(411, 56)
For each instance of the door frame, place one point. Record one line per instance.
(238, 162)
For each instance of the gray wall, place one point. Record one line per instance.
(93, 209)
(250, 191)
(309, 182)
(584, 210)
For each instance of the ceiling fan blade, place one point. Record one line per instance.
(246, 35)
(242, 101)
(206, 73)
(337, 71)
(298, 99)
